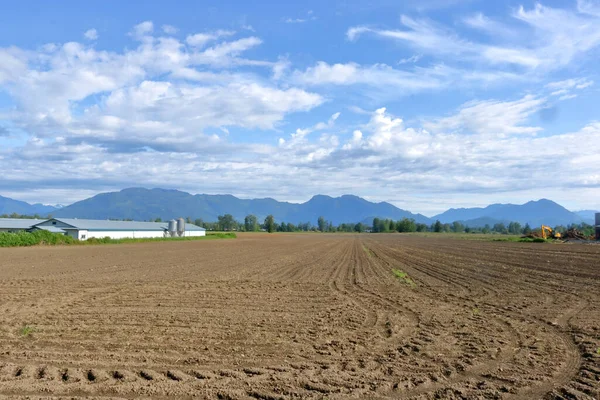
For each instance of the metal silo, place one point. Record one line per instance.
(597, 226)
(180, 226)
(172, 228)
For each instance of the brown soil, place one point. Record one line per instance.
(302, 316)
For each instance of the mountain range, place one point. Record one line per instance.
(9, 206)
(145, 204)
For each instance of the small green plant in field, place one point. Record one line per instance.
(476, 311)
(26, 330)
(369, 253)
(403, 276)
(598, 351)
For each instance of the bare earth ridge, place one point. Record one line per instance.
(301, 316)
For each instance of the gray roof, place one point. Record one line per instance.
(107, 225)
(18, 223)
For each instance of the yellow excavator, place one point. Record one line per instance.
(548, 232)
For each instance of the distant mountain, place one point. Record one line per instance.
(483, 221)
(144, 204)
(9, 206)
(534, 213)
(588, 216)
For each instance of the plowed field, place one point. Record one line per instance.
(302, 316)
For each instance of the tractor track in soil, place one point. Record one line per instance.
(301, 316)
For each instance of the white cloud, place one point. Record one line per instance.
(222, 53)
(411, 60)
(202, 39)
(591, 7)
(491, 117)
(142, 29)
(113, 114)
(578, 83)
(565, 87)
(397, 81)
(555, 38)
(421, 34)
(383, 152)
(13, 63)
(91, 34)
(567, 97)
(309, 17)
(169, 29)
(141, 95)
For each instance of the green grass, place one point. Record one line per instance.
(403, 276)
(21, 239)
(26, 330)
(483, 237)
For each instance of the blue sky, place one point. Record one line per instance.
(426, 104)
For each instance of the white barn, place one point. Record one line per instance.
(83, 229)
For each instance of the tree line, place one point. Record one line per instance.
(513, 228)
(251, 223)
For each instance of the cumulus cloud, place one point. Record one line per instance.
(169, 29)
(202, 39)
(170, 112)
(385, 151)
(142, 29)
(91, 34)
(154, 95)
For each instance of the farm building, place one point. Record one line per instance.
(17, 224)
(83, 229)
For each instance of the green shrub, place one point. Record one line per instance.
(31, 239)
(42, 237)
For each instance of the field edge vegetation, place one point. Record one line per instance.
(40, 238)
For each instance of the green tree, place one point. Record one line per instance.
(421, 227)
(359, 227)
(251, 223)
(457, 227)
(375, 228)
(158, 220)
(514, 228)
(526, 229)
(406, 225)
(270, 224)
(199, 222)
(500, 228)
(437, 227)
(322, 224)
(486, 229)
(226, 222)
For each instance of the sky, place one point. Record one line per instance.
(426, 104)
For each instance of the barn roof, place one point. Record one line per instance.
(107, 225)
(18, 223)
